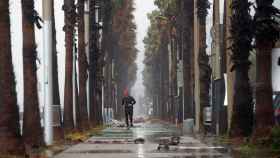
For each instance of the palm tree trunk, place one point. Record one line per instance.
(69, 9)
(92, 63)
(264, 108)
(58, 131)
(163, 50)
(99, 68)
(56, 98)
(188, 56)
(228, 52)
(106, 49)
(10, 139)
(83, 65)
(32, 130)
(267, 34)
(242, 117)
(179, 29)
(173, 78)
(203, 60)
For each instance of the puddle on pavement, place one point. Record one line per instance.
(199, 156)
(111, 142)
(176, 150)
(100, 151)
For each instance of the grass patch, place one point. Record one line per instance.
(10, 156)
(224, 139)
(76, 137)
(83, 136)
(97, 131)
(275, 138)
(247, 150)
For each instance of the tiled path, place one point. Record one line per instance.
(119, 143)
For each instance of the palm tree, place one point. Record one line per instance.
(242, 35)
(83, 65)
(163, 50)
(95, 65)
(188, 56)
(10, 138)
(266, 34)
(58, 133)
(93, 49)
(32, 130)
(203, 60)
(99, 79)
(70, 15)
(56, 98)
(107, 35)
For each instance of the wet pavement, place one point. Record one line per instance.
(142, 141)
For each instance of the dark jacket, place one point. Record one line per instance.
(128, 101)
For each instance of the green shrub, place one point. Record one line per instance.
(275, 137)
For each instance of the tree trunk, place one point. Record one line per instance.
(58, 131)
(228, 52)
(56, 97)
(264, 108)
(164, 63)
(242, 117)
(267, 34)
(83, 65)
(179, 29)
(204, 73)
(10, 139)
(107, 51)
(188, 56)
(69, 9)
(99, 66)
(203, 60)
(32, 130)
(173, 77)
(92, 63)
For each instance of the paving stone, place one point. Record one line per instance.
(119, 143)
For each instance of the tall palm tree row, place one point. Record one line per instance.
(151, 73)
(123, 32)
(32, 130)
(70, 15)
(242, 36)
(171, 28)
(10, 138)
(266, 35)
(160, 44)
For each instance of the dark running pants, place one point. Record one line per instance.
(129, 116)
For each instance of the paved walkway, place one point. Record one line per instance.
(119, 143)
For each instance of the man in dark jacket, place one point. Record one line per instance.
(128, 102)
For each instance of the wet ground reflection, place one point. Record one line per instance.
(120, 143)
